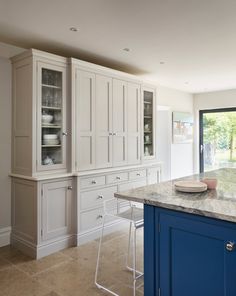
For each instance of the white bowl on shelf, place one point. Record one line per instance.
(47, 118)
(50, 136)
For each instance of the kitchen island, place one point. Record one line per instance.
(189, 238)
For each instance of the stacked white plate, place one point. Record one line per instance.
(50, 139)
(190, 186)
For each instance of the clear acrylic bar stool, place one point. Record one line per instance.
(126, 211)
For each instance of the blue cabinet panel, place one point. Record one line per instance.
(189, 255)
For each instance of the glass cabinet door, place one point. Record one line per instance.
(52, 113)
(148, 124)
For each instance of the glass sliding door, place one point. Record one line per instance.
(217, 139)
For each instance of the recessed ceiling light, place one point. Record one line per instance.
(162, 63)
(73, 29)
(126, 49)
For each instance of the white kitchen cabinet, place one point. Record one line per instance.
(119, 115)
(43, 215)
(103, 115)
(51, 102)
(57, 209)
(133, 123)
(85, 119)
(94, 189)
(108, 120)
(40, 131)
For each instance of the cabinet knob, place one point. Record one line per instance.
(114, 134)
(94, 182)
(69, 188)
(110, 134)
(100, 196)
(138, 174)
(118, 178)
(64, 134)
(230, 246)
(99, 216)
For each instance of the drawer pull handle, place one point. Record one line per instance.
(99, 216)
(118, 178)
(100, 196)
(94, 182)
(69, 188)
(230, 246)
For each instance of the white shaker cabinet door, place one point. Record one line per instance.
(119, 115)
(57, 209)
(85, 120)
(103, 121)
(133, 125)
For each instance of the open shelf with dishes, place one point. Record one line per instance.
(148, 123)
(51, 117)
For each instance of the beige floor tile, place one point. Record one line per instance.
(70, 272)
(86, 253)
(16, 283)
(4, 264)
(69, 279)
(33, 267)
(13, 255)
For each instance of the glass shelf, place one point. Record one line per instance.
(51, 108)
(47, 146)
(51, 126)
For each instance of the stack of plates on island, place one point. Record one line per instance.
(190, 186)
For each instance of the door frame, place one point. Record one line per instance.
(201, 113)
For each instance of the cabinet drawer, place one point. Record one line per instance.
(91, 219)
(95, 198)
(137, 174)
(92, 182)
(132, 185)
(116, 178)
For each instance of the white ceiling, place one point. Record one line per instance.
(196, 39)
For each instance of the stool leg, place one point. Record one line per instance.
(98, 261)
(99, 251)
(134, 262)
(128, 251)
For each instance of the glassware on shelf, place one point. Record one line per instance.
(146, 151)
(148, 123)
(51, 129)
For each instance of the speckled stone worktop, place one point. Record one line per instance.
(219, 203)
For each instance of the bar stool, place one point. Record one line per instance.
(129, 212)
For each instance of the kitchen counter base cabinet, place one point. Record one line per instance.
(188, 255)
(43, 216)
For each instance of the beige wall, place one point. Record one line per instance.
(211, 100)
(5, 141)
(6, 51)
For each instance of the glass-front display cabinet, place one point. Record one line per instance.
(148, 123)
(52, 138)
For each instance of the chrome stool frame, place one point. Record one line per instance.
(126, 211)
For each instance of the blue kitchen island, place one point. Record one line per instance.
(189, 238)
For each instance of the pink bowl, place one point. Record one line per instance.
(211, 183)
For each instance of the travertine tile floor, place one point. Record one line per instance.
(71, 271)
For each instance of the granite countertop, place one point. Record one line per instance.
(219, 203)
